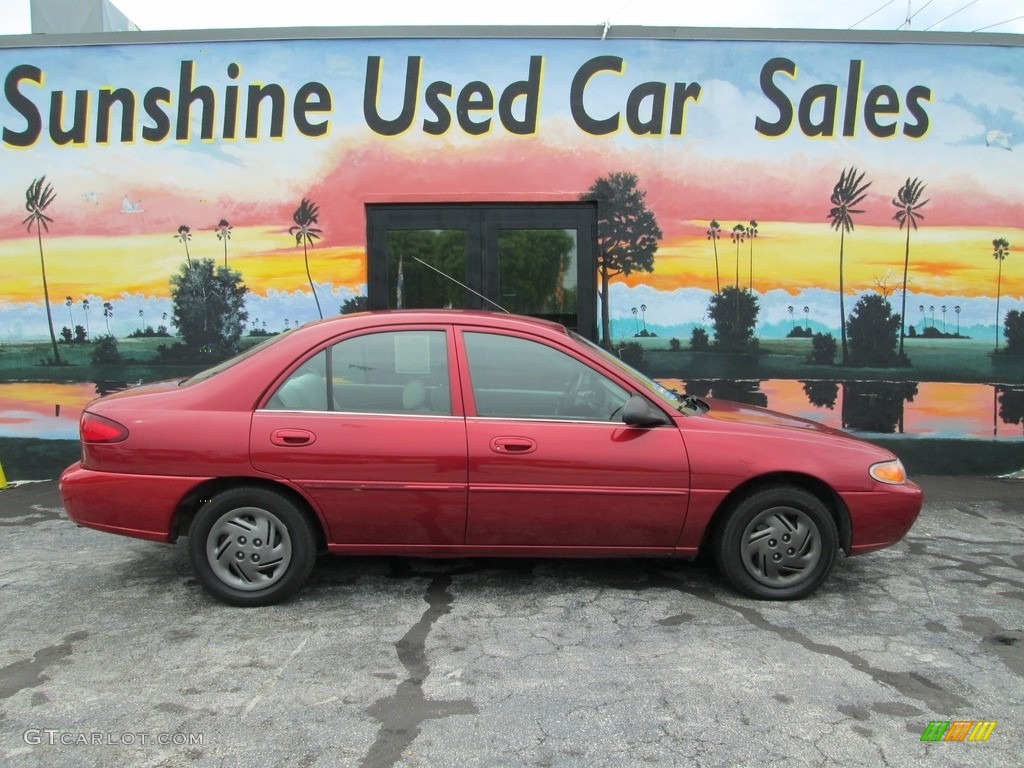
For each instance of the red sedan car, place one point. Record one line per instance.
(457, 433)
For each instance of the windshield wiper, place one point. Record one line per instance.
(690, 402)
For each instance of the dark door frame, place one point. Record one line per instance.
(482, 223)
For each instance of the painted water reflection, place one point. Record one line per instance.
(48, 411)
(925, 409)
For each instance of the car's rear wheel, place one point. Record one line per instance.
(778, 543)
(251, 546)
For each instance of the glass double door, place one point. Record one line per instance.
(536, 260)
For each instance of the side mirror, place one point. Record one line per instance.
(639, 412)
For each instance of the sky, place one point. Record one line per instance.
(933, 15)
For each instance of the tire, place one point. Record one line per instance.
(251, 547)
(778, 543)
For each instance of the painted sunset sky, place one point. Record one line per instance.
(720, 167)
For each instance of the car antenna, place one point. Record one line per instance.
(449, 277)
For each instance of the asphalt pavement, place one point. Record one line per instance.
(111, 655)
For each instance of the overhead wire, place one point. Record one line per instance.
(612, 16)
(886, 5)
(608, 21)
(915, 13)
(990, 26)
(911, 17)
(954, 13)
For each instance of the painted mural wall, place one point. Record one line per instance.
(807, 182)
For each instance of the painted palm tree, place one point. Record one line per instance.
(751, 234)
(792, 318)
(957, 310)
(38, 197)
(184, 235)
(1000, 249)
(68, 301)
(636, 326)
(908, 205)
(924, 319)
(738, 233)
(305, 216)
(85, 308)
(714, 228)
(108, 312)
(643, 315)
(224, 234)
(943, 318)
(848, 193)
(807, 317)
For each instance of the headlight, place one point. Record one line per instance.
(891, 472)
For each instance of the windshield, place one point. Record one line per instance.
(653, 387)
(231, 361)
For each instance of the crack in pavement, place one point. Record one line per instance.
(919, 547)
(39, 514)
(1006, 644)
(30, 673)
(910, 684)
(276, 677)
(401, 714)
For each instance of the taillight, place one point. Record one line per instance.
(97, 429)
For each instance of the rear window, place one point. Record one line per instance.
(232, 361)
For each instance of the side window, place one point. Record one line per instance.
(305, 389)
(519, 378)
(399, 372)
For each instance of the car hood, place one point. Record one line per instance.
(727, 411)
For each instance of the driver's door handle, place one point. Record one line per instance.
(292, 437)
(513, 445)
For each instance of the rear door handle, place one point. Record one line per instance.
(291, 438)
(513, 445)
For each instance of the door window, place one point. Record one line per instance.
(400, 372)
(519, 378)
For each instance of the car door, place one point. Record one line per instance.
(367, 428)
(551, 464)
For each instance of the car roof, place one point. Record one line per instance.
(456, 316)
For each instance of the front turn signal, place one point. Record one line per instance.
(891, 472)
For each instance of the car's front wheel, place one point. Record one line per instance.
(778, 543)
(251, 546)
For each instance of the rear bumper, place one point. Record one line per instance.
(140, 506)
(881, 518)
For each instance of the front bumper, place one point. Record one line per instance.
(881, 518)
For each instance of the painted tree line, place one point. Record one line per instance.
(866, 332)
(208, 300)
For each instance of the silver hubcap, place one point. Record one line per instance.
(249, 548)
(781, 546)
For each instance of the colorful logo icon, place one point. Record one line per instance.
(958, 730)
